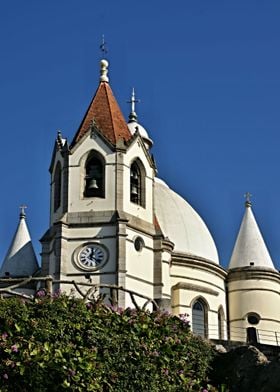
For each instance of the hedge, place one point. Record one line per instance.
(62, 343)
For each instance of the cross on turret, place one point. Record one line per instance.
(248, 202)
(22, 211)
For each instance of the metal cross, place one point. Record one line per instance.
(248, 198)
(103, 47)
(133, 101)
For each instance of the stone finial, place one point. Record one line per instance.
(104, 64)
(59, 139)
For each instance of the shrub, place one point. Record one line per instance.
(56, 344)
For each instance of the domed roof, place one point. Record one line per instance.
(182, 225)
(134, 126)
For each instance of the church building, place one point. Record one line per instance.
(113, 221)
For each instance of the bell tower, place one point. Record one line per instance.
(102, 213)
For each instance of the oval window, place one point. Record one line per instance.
(253, 318)
(139, 244)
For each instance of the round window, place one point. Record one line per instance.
(139, 244)
(253, 318)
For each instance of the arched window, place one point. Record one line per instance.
(137, 183)
(199, 318)
(94, 176)
(221, 323)
(57, 187)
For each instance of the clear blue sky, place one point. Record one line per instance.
(208, 76)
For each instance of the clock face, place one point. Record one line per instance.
(92, 256)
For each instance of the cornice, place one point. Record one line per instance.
(256, 273)
(192, 261)
(195, 287)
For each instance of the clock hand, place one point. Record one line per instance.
(92, 254)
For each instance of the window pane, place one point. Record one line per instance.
(198, 319)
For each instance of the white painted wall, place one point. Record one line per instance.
(182, 299)
(261, 296)
(139, 266)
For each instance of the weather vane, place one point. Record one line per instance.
(103, 46)
(248, 199)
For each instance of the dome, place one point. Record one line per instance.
(182, 225)
(133, 126)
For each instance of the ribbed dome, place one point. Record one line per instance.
(182, 225)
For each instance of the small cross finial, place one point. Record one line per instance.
(133, 101)
(103, 47)
(22, 211)
(248, 202)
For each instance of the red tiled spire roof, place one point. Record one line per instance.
(105, 112)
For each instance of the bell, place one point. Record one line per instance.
(134, 190)
(134, 175)
(92, 184)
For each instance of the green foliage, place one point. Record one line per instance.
(56, 344)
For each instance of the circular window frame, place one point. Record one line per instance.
(253, 318)
(139, 244)
(76, 257)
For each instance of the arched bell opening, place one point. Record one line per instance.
(94, 176)
(57, 187)
(137, 183)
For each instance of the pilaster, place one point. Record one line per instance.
(121, 258)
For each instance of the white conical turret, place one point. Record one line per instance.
(250, 248)
(20, 259)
